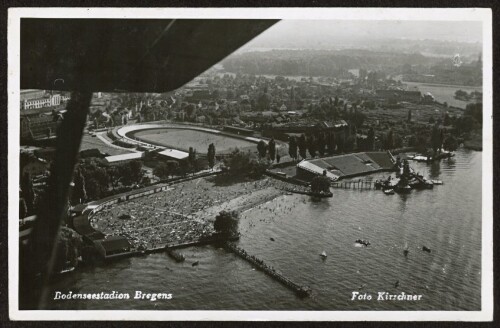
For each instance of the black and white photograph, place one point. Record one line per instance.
(250, 164)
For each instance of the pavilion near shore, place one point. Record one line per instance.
(346, 166)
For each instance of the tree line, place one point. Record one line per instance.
(328, 143)
(94, 179)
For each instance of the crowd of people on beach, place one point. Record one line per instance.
(167, 218)
(149, 228)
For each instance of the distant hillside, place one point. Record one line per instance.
(336, 63)
(428, 47)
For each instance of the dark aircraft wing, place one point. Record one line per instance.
(137, 55)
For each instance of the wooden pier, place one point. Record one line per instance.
(301, 291)
(359, 184)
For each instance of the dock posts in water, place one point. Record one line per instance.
(302, 291)
(360, 184)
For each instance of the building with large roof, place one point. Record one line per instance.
(346, 166)
(113, 246)
(124, 157)
(31, 99)
(174, 154)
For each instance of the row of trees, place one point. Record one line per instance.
(327, 143)
(436, 139)
(264, 149)
(246, 164)
(458, 126)
(226, 222)
(465, 96)
(165, 170)
(211, 155)
(94, 180)
(336, 109)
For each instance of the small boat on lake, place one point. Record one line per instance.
(323, 254)
(366, 243)
(406, 251)
(389, 191)
(420, 158)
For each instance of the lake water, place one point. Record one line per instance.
(447, 219)
(444, 93)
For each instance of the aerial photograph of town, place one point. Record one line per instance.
(320, 165)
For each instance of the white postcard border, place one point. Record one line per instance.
(420, 14)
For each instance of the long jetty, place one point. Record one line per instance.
(302, 291)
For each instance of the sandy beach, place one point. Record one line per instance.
(185, 212)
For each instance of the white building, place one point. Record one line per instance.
(124, 157)
(39, 98)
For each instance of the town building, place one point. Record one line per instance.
(37, 128)
(285, 130)
(124, 157)
(31, 94)
(112, 246)
(173, 154)
(399, 95)
(34, 99)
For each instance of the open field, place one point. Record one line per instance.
(182, 139)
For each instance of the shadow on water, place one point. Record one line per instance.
(450, 163)
(435, 169)
(402, 203)
(321, 203)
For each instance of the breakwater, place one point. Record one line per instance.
(302, 291)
